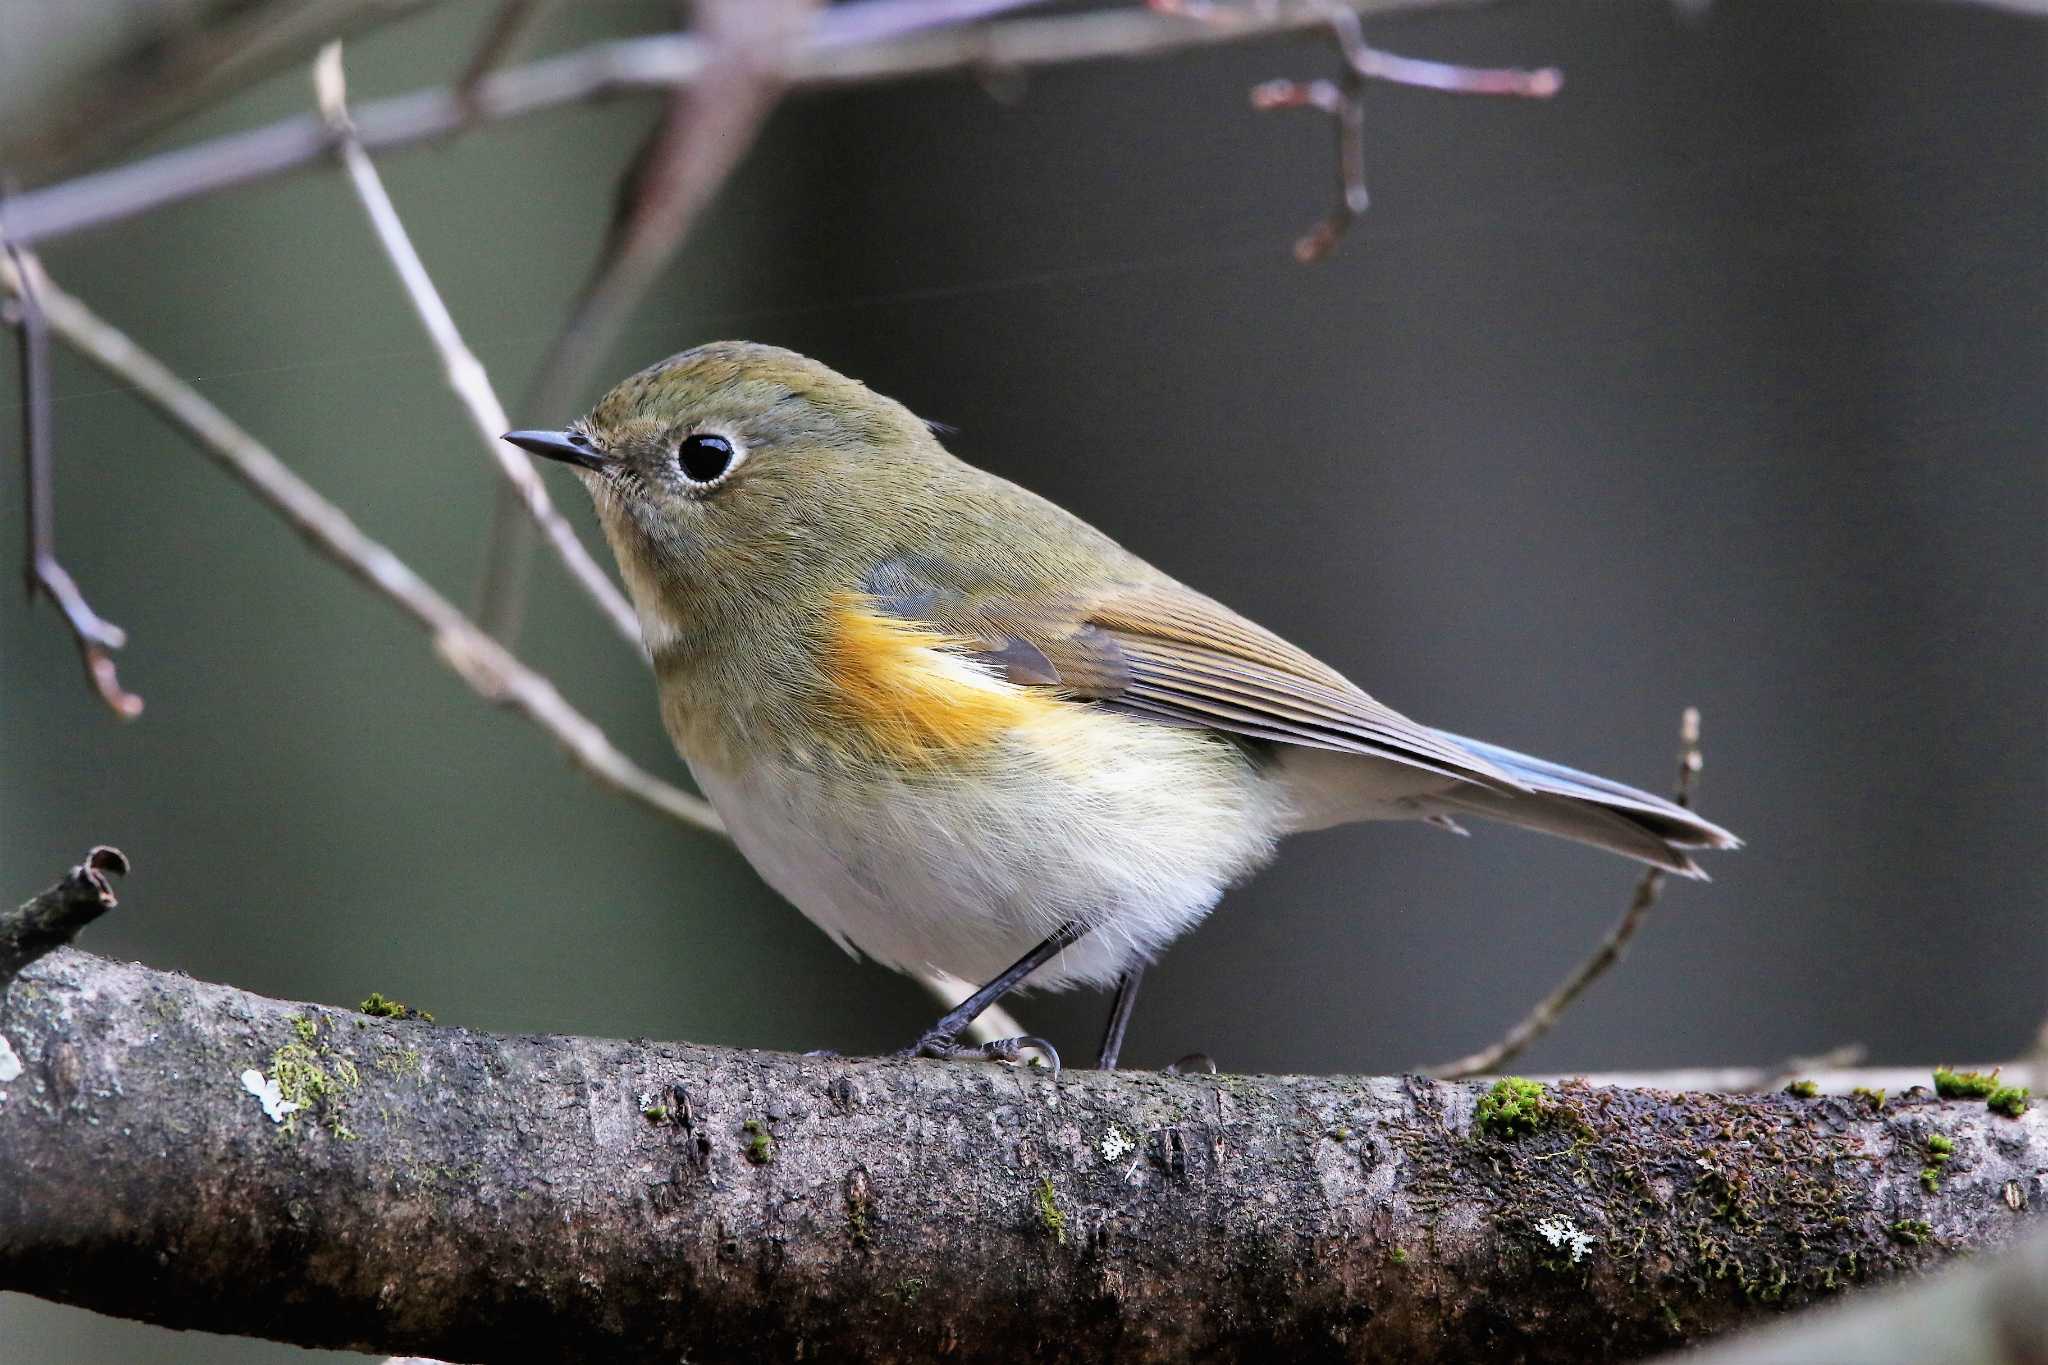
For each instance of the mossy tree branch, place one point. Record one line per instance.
(479, 1197)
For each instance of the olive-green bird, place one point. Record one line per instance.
(961, 728)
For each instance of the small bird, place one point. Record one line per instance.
(958, 727)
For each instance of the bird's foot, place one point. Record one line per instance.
(945, 1047)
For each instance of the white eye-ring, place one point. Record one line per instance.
(706, 459)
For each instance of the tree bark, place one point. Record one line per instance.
(478, 1197)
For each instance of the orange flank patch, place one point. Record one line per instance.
(908, 692)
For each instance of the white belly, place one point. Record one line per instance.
(1132, 828)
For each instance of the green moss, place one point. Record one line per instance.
(1050, 1216)
(379, 1007)
(1341, 1133)
(760, 1145)
(1512, 1108)
(1939, 1150)
(404, 1063)
(655, 1113)
(2009, 1100)
(1964, 1085)
(1398, 1256)
(1804, 1090)
(1912, 1231)
(1872, 1099)
(303, 1076)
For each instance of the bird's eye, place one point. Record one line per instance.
(704, 458)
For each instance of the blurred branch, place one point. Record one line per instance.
(466, 374)
(485, 665)
(1795, 1069)
(1548, 1010)
(508, 26)
(705, 129)
(1829, 1073)
(850, 44)
(1989, 1311)
(45, 573)
(126, 68)
(737, 1202)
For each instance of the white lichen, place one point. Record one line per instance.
(1564, 1234)
(1116, 1143)
(265, 1089)
(10, 1063)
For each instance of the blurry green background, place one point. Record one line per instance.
(1719, 380)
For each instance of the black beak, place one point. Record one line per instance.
(570, 447)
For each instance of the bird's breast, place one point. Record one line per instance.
(903, 693)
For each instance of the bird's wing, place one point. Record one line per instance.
(1162, 651)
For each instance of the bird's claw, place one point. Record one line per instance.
(945, 1048)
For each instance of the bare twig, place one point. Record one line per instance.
(1548, 1010)
(1344, 101)
(482, 663)
(843, 48)
(44, 571)
(54, 918)
(465, 372)
(510, 24)
(704, 131)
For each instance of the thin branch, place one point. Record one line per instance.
(511, 23)
(842, 49)
(1344, 101)
(466, 374)
(53, 919)
(45, 573)
(1548, 1010)
(705, 130)
(484, 664)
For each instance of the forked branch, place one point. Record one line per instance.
(95, 637)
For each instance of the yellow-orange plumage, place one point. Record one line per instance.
(907, 693)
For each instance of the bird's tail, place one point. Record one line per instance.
(1592, 810)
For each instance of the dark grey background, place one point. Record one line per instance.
(1716, 381)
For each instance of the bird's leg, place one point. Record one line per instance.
(1119, 1018)
(942, 1038)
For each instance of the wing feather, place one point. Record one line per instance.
(1161, 650)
